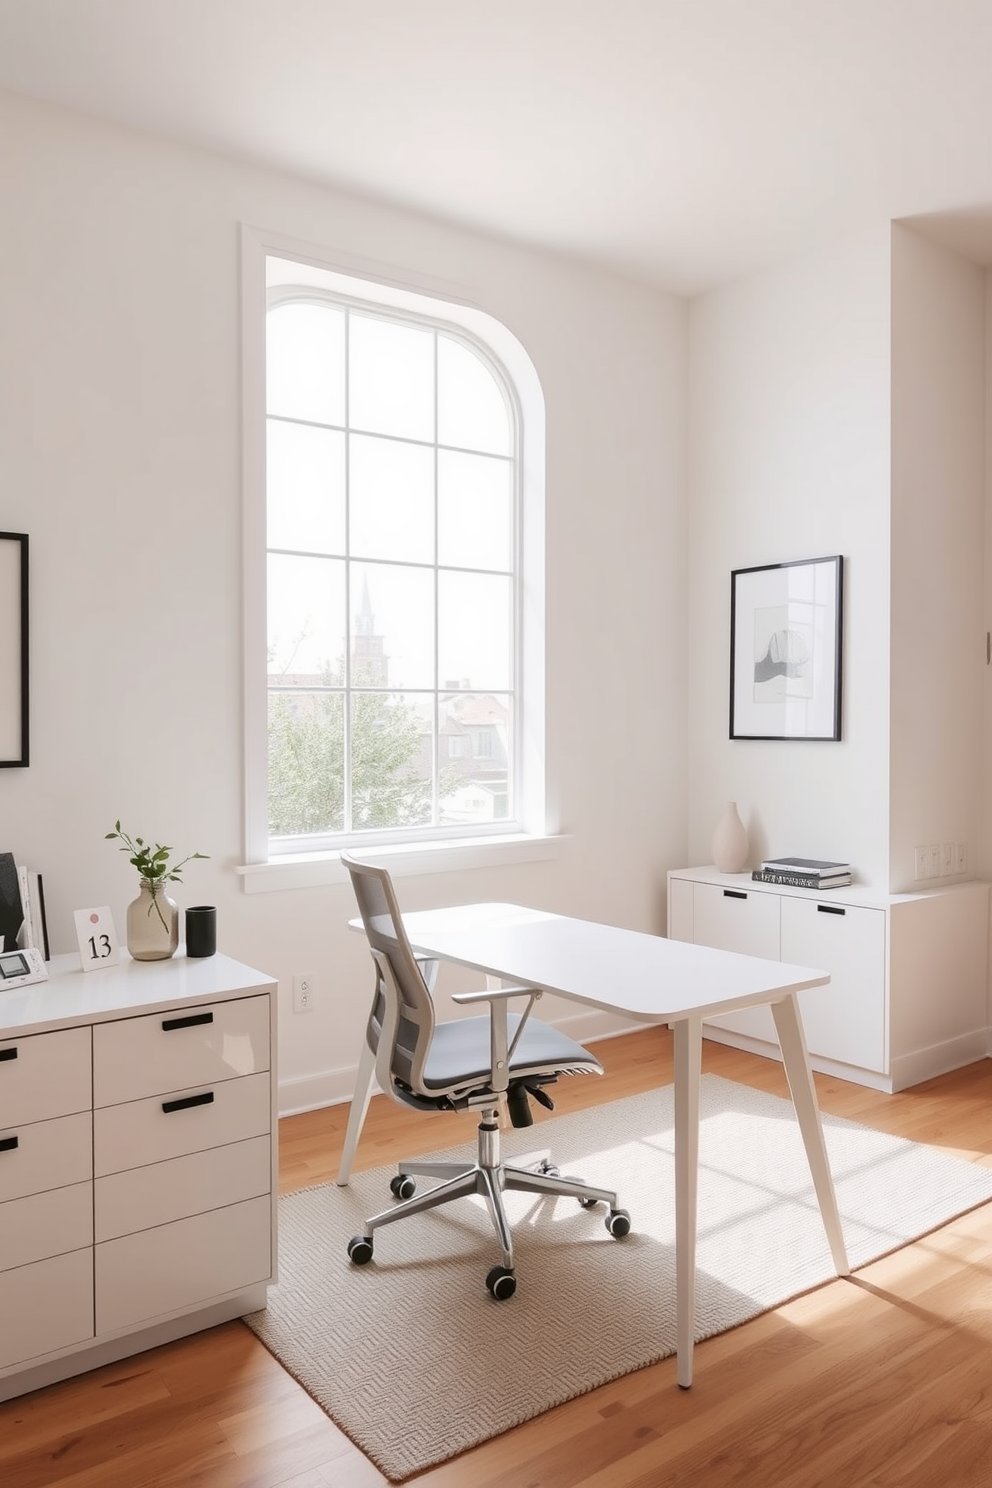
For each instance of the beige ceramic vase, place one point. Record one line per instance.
(730, 844)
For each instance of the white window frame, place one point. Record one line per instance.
(532, 835)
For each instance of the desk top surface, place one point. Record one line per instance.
(627, 971)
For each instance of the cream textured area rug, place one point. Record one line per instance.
(411, 1357)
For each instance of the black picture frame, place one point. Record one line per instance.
(14, 750)
(786, 650)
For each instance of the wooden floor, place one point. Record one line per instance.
(884, 1379)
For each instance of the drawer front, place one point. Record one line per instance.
(182, 1265)
(44, 1076)
(844, 1020)
(46, 1154)
(45, 1307)
(736, 920)
(144, 1197)
(138, 1057)
(143, 1132)
(45, 1224)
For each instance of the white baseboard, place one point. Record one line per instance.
(332, 1086)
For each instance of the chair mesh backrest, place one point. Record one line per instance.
(385, 933)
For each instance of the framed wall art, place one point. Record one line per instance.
(786, 631)
(13, 648)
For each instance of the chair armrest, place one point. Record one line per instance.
(497, 997)
(493, 994)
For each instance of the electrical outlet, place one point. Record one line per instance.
(302, 994)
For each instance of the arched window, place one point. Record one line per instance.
(394, 498)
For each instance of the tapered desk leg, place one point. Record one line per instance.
(800, 1077)
(688, 1037)
(359, 1106)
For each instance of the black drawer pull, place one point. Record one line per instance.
(830, 909)
(190, 1021)
(734, 894)
(8, 1053)
(7, 1144)
(185, 1101)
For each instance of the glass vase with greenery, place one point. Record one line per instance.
(146, 939)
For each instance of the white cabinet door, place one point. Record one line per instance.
(46, 1306)
(742, 921)
(182, 1265)
(844, 1020)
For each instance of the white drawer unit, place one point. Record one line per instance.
(44, 1076)
(906, 998)
(154, 1272)
(166, 1051)
(137, 1160)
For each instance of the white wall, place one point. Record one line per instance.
(120, 446)
(938, 630)
(789, 458)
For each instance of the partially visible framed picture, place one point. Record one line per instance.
(786, 629)
(13, 648)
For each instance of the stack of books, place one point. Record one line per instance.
(23, 921)
(803, 873)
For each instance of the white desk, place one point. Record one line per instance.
(653, 980)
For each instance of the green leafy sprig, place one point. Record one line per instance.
(152, 862)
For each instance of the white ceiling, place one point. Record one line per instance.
(682, 142)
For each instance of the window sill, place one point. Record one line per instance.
(312, 870)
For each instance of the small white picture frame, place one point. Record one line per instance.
(98, 944)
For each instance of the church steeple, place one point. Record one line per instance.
(369, 667)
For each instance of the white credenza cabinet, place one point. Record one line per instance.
(907, 997)
(138, 1160)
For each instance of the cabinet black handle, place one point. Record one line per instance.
(189, 1021)
(8, 1053)
(7, 1144)
(830, 909)
(734, 894)
(185, 1101)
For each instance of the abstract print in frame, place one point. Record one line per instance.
(786, 650)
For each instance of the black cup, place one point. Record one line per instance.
(201, 930)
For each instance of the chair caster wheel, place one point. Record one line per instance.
(501, 1283)
(618, 1223)
(359, 1250)
(402, 1186)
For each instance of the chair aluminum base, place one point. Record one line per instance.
(488, 1176)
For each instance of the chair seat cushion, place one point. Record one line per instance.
(460, 1053)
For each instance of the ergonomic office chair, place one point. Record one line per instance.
(478, 1063)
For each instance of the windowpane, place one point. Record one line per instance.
(305, 476)
(304, 358)
(392, 499)
(392, 618)
(391, 761)
(306, 620)
(474, 631)
(392, 532)
(472, 410)
(306, 763)
(391, 369)
(475, 511)
(476, 733)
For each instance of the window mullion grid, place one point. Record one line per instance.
(347, 807)
(436, 751)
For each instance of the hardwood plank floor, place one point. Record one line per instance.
(879, 1381)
